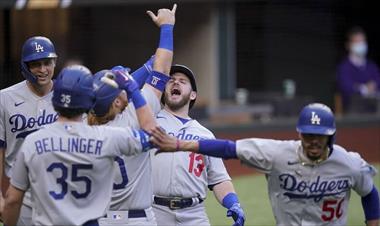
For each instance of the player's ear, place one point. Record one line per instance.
(193, 95)
(120, 101)
(117, 102)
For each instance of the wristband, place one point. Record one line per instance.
(158, 80)
(138, 99)
(177, 145)
(144, 139)
(230, 199)
(166, 37)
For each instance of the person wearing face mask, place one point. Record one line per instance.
(357, 75)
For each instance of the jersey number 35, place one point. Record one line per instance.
(62, 180)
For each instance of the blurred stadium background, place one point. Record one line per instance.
(257, 62)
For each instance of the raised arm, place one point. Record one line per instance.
(165, 20)
(141, 74)
(124, 81)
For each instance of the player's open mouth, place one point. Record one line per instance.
(175, 92)
(42, 76)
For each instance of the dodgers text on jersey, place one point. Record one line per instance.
(20, 122)
(300, 189)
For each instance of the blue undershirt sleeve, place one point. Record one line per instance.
(218, 148)
(371, 205)
(140, 76)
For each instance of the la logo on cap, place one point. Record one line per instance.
(315, 120)
(39, 48)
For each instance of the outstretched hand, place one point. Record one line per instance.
(237, 213)
(164, 16)
(163, 141)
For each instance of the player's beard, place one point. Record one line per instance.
(176, 105)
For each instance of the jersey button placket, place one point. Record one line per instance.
(40, 106)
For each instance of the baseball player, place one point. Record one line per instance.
(68, 164)
(309, 181)
(180, 180)
(26, 106)
(131, 202)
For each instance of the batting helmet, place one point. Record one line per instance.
(35, 48)
(105, 94)
(179, 68)
(73, 88)
(317, 119)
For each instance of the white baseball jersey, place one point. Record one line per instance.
(302, 193)
(21, 113)
(133, 174)
(185, 174)
(68, 167)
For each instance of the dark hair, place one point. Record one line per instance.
(69, 112)
(354, 31)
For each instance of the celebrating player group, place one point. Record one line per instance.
(112, 148)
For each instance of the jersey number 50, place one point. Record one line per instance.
(332, 208)
(74, 178)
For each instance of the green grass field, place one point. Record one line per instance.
(252, 191)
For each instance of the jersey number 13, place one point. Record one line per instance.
(197, 164)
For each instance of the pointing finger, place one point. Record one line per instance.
(174, 8)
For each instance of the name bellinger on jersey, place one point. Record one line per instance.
(69, 144)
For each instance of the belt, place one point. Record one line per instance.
(175, 203)
(136, 213)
